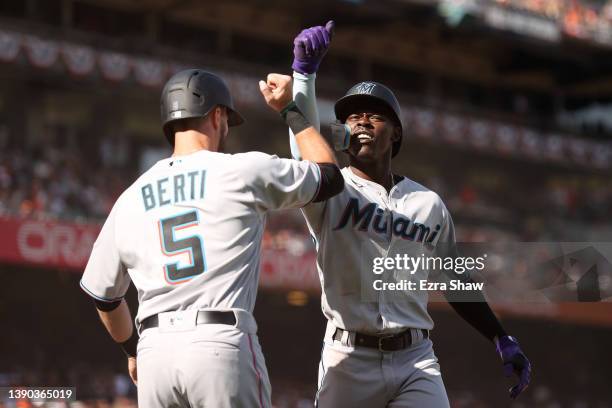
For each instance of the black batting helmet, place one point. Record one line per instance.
(366, 94)
(193, 93)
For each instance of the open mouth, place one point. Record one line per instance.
(363, 136)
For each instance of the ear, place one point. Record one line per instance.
(217, 117)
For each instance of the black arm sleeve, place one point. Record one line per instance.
(480, 316)
(294, 118)
(130, 346)
(107, 306)
(331, 183)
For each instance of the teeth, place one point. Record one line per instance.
(364, 137)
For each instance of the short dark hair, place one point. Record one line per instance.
(184, 124)
(189, 123)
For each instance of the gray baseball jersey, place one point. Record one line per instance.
(188, 231)
(366, 222)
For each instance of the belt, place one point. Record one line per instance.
(383, 342)
(204, 317)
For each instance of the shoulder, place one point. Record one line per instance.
(257, 164)
(130, 199)
(249, 165)
(410, 186)
(422, 193)
(125, 202)
(250, 168)
(253, 158)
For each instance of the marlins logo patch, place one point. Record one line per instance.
(365, 87)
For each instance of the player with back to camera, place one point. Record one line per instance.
(188, 233)
(377, 352)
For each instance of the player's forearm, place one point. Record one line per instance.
(118, 322)
(480, 316)
(472, 306)
(311, 144)
(305, 98)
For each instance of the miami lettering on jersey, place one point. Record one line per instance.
(372, 216)
(175, 189)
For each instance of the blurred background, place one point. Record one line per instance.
(507, 107)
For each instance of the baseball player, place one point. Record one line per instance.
(376, 350)
(188, 234)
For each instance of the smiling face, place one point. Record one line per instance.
(373, 132)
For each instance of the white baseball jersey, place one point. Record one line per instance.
(188, 231)
(365, 222)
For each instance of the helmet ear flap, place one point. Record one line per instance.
(340, 135)
(398, 143)
(397, 133)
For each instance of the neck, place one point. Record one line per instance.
(191, 141)
(378, 172)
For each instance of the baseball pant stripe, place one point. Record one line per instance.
(256, 371)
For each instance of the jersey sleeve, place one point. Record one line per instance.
(447, 243)
(105, 277)
(279, 184)
(314, 214)
(447, 248)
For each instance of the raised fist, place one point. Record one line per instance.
(277, 91)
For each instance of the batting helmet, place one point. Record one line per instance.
(193, 93)
(367, 94)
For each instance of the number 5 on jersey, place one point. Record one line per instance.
(171, 246)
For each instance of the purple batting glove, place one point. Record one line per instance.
(310, 46)
(514, 361)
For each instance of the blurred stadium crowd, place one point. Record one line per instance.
(82, 179)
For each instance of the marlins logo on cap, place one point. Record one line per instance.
(365, 88)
